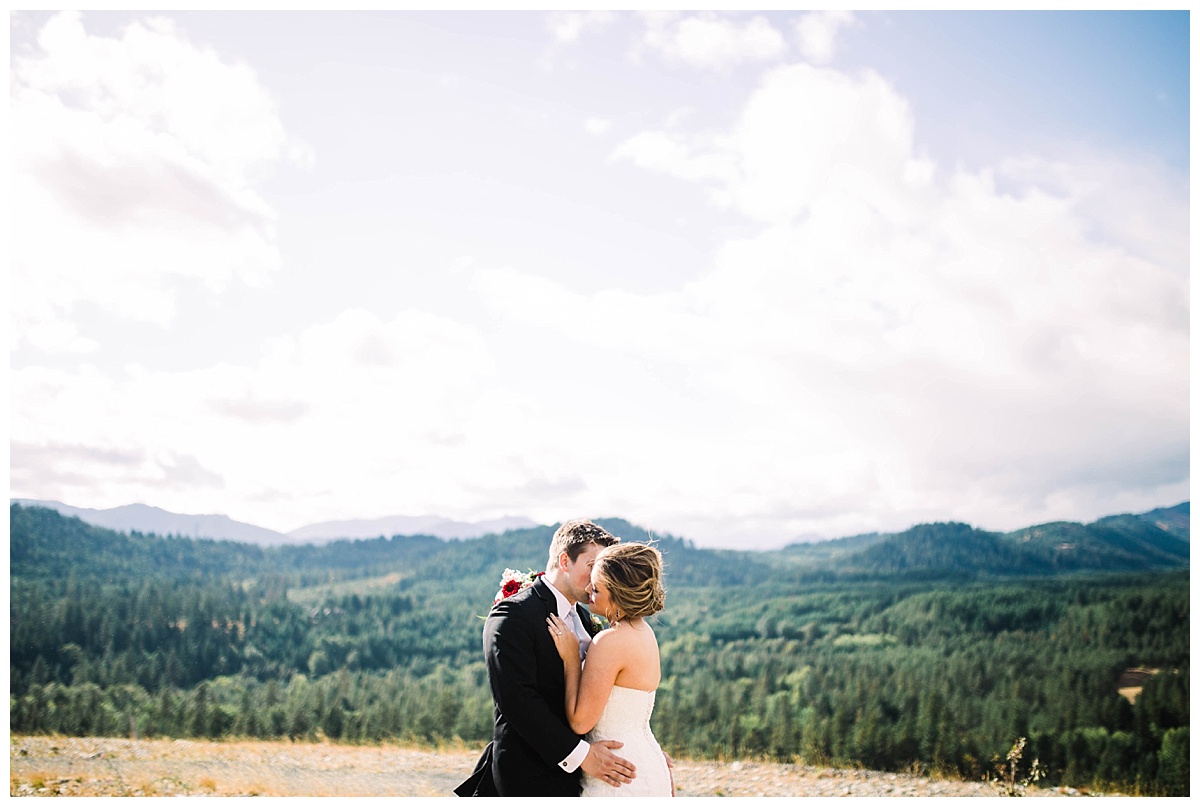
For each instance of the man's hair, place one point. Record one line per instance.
(573, 536)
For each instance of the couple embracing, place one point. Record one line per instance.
(565, 727)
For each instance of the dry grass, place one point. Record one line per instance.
(98, 766)
(38, 779)
(75, 766)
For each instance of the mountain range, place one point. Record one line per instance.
(1159, 539)
(146, 519)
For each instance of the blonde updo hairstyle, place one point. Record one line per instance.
(633, 575)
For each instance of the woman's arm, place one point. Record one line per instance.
(567, 644)
(588, 687)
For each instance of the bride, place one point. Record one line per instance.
(611, 697)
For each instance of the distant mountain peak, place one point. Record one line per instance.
(1158, 539)
(149, 519)
(409, 525)
(146, 518)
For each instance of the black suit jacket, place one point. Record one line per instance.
(531, 734)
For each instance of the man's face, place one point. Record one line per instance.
(579, 572)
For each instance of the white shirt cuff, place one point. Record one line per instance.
(571, 763)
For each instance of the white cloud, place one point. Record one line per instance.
(817, 33)
(135, 160)
(663, 152)
(597, 126)
(568, 26)
(343, 416)
(895, 343)
(804, 133)
(710, 41)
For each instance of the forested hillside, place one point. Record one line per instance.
(935, 648)
(1125, 543)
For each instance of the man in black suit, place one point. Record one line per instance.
(533, 750)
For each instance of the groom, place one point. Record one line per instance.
(533, 751)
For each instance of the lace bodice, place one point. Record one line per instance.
(627, 710)
(626, 717)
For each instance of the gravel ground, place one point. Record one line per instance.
(73, 766)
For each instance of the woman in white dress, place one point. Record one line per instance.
(611, 697)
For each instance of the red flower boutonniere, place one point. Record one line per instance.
(513, 581)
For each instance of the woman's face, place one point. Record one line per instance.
(598, 597)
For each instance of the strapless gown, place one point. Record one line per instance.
(626, 717)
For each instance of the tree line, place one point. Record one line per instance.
(380, 640)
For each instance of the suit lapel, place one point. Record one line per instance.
(585, 619)
(542, 589)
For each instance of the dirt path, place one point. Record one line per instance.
(73, 766)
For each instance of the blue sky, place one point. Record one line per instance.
(743, 277)
(1105, 79)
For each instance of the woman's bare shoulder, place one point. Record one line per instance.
(609, 637)
(626, 638)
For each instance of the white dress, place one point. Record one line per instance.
(626, 717)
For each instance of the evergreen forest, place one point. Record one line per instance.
(931, 650)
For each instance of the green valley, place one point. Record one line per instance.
(934, 649)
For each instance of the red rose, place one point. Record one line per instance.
(511, 587)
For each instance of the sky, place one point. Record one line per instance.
(744, 278)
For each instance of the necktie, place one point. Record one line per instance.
(577, 628)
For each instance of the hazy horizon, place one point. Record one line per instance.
(437, 525)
